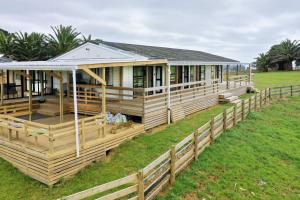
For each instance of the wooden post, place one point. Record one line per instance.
(196, 146)
(141, 194)
(103, 87)
(260, 99)
(281, 92)
(30, 98)
(51, 140)
(250, 103)
(234, 115)
(61, 99)
(2, 87)
(68, 86)
(42, 83)
(225, 120)
(270, 94)
(291, 90)
(243, 110)
(173, 161)
(255, 102)
(83, 133)
(212, 125)
(265, 97)
(227, 76)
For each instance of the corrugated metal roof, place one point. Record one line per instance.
(4, 60)
(172, 54)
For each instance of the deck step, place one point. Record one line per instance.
(177, 113)
(50, 109)
(225, 95)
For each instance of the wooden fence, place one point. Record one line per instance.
(148, 182)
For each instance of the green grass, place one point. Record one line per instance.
(124, 160)
(259, 159)
(264, 80)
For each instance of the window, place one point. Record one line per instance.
(193, 73)
(173, 75)
(109, 76)
(186, 74)
(201, 73)
(138, 77)
(158, 76)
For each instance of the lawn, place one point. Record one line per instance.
(259, 159)
(264, 80)
(124, 160)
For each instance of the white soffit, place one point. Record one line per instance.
(173, 63)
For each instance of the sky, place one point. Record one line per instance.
(237, 29)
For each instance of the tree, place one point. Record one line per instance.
(7, 44)
(285, 53)
(65, 38)
(263, 62)
(4, 31)
(30, 47)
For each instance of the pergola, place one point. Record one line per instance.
(55, 69)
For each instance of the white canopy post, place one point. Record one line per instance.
(76, 113)
(168, 73)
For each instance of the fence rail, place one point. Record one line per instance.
(149, 181)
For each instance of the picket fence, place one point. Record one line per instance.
(148, 182)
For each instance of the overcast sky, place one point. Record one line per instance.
(238, 29)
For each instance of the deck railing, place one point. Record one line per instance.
(238, 81)
(51, 138)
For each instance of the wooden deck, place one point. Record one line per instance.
(48, 158)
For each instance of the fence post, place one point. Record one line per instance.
(212, 125)
(270, 95)
(291, 90)
(243, 110)
(234, 115)
(265, 97)
(250, 102)
(141, 194)
(225, 120)
(260, 99)
(196, 144)
(173, 161)
(255, 102)
(280, 92)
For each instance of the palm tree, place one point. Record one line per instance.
(263, 62)
(30, 47)
(64, 39)
(7, 44)
(285, 53)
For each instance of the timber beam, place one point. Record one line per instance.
(95, 76)
(123, 64)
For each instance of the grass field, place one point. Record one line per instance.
(124, 160)
(264, 80)
(260, 159)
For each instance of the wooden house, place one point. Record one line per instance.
(53, 113)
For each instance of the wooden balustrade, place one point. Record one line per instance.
(51, 138)
(237, 81)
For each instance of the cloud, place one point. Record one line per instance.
(232, 28)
